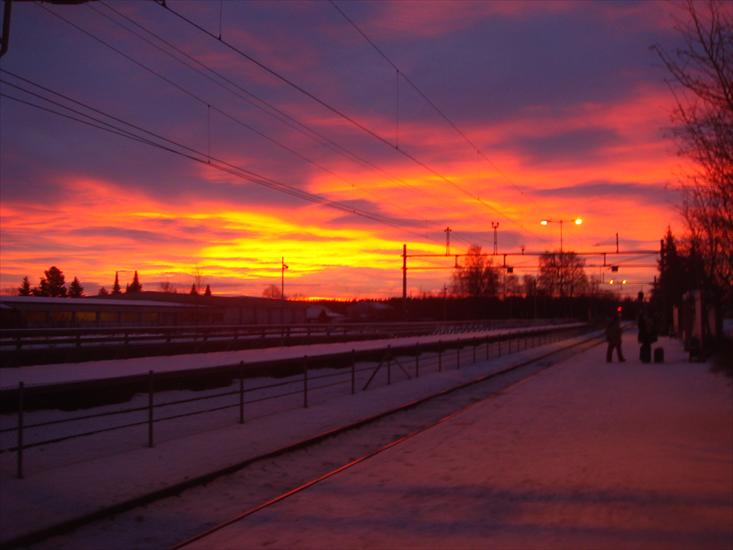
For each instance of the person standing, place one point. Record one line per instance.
(613, 337)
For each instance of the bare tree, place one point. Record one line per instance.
(562, 274)
(476, 277)
(702, 81)
(272, 292)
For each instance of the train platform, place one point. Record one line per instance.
(586, 454)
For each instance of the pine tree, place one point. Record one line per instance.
(207, 292)
(75, 289)
(102, 292)
(25, 287)
(135, 286)
(194, 291)
(116, 290)
(54, 283)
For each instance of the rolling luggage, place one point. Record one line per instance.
(659, 355)
(645, 353)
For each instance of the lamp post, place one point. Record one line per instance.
(576, 221)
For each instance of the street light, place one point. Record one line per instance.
(576, 221)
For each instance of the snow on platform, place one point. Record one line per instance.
(113, 368)
(584, 455)
(78, 477)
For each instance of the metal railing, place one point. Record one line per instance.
(395, 364)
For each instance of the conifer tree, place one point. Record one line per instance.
(116, 290)
(207, 292)
(75, 289)
(102, 292)
(194, 290)
(53, 283)
(25, 287)
(135, 286)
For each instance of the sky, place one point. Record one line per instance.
(292, 137)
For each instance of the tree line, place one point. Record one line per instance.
(561, 275)
(53, 284)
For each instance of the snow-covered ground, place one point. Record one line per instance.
(583, 455)
(82, 475)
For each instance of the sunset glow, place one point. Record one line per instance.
(565, 102)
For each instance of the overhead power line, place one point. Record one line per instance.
(338, 112)
(133, 132)
(209, 106)
(422, 94)
(309, 131)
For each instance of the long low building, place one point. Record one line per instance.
(146, 309)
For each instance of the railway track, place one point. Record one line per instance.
(249, 487)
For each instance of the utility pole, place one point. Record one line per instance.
(404, 280)
(495, 226)
(447, 240)
(283, 267)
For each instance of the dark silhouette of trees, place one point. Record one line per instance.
(25, 287)
(272, 292)
(562, 275)
(207, 292)
(116, 290)
(167, 286)
(702, 79)
(135, 285)
(476, 277)
(672, 282)
(194, 290)
(102, 292)
(52, 284)
(75, 289)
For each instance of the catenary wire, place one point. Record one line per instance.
(260, 103)
(339, 113)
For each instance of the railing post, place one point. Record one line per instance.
(389, 365)
(21, 391)
(474, 352)
(440, 358)
(305, 382)
(458, 357)
(488, 345)
(241, 392)
(499, 342)
(353, 372)
(417, 360)
(150, 409)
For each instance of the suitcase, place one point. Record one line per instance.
(659, 355)
(645, 353)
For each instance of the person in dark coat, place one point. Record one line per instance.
(613, 337)
(647, 335)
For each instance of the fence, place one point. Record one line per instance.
(243, 394)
